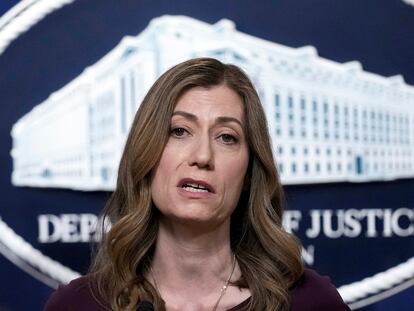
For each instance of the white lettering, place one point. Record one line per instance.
(291, 220)
(315, 229)
(47, 222)
(396, 217)
(88, 223)
(372, 215)
(352, 223)
(308, 255)
(330, 232)
(387, 215)
(68, 228)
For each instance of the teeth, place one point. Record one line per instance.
(195, 186)
(191, 189)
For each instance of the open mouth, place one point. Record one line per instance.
(194, 187)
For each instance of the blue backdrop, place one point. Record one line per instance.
(57, 49)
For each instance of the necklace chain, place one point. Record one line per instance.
(222, 290)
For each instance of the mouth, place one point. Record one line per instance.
(197, 186)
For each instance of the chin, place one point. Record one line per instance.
(193, 221)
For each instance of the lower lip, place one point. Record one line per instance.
(194, 195)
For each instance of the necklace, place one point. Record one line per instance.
(222, 290)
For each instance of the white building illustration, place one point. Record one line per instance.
(329, 122)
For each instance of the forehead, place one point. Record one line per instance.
(218, 100)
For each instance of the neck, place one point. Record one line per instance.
(192, 261)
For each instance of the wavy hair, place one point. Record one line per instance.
(268, 256)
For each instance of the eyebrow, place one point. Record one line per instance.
(219, 120)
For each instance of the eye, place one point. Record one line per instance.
(228, 139)
(178, 132)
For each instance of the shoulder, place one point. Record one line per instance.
(76, 295)
(316, 292)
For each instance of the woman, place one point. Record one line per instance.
(197, 211)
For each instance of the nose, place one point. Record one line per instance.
(202, 154)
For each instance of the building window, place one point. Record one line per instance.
(325, 108)
(303, 116)
(278, 108)
(387, 127)
(132, 89)
(280, 167)
(277, 100)
(277, 115)
(293, 168)
(290, 102)
(123, 105)
(302, 103)
(326, 119)
(356, 125)
(380, 127)
(315, 105)
(315, 118)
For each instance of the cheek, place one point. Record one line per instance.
(156, 189)
(164, 168)
(159, 182)
(235, 177)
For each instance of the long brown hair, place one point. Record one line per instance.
(268, 256)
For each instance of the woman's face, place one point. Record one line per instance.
(201, 172)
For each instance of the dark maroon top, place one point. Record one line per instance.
(311, 293)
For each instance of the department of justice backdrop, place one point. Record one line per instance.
(336, 79)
